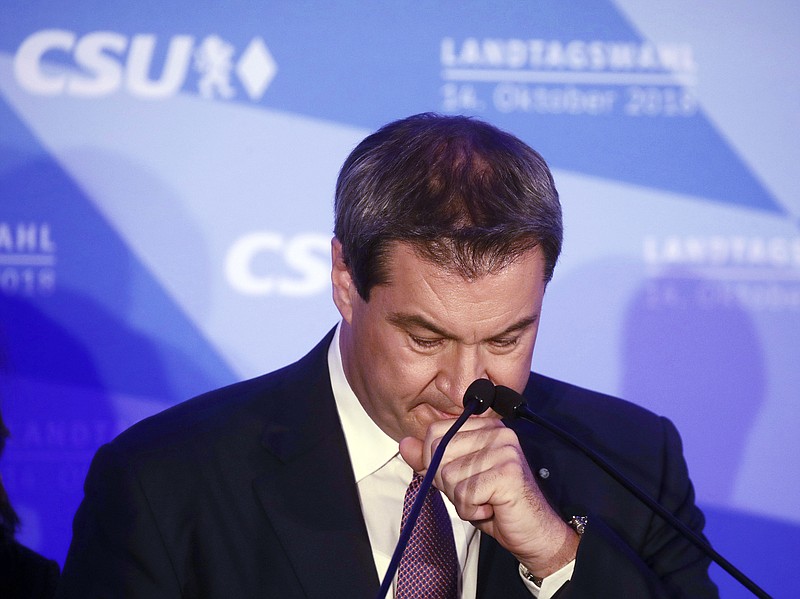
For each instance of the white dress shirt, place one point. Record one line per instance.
(382, 477)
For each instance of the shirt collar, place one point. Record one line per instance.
(369, 447)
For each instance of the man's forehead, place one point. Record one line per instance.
(401, 255)
(421, 295)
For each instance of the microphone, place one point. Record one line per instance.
(482, 393)
(511, 405)
(477, 399)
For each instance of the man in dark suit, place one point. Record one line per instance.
(291, 485)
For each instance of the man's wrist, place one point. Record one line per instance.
(566, 553)
(551, 584)
(528, 575)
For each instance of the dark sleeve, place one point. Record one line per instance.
(116, 548)
(666, 565)
(24, 574)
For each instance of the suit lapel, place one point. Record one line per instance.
(308, 489)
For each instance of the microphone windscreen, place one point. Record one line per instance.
(506, 402)
(481, 392)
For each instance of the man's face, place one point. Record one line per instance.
(411, 351)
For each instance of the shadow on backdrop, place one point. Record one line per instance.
(75, 369)
(691, 351)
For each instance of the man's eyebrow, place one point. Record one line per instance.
(405, 321)
(518, 326)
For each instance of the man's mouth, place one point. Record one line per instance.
(444, 414)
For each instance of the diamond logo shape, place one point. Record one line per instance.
(256, 68)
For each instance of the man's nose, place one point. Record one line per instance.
(458, 370)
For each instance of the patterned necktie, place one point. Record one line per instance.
(429, 567)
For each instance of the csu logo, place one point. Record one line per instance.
(56, 62)
(269, 263)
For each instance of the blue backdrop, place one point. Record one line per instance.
(166, 182)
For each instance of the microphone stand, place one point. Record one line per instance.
(471, 406)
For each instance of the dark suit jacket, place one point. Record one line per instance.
(248, 491)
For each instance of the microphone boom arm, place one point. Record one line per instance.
(510, 404)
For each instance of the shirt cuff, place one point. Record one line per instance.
(550, 584)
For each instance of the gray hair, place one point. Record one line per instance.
(465, 195)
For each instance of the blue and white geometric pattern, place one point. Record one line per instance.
(166, 184)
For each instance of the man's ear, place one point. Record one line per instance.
(344, 288)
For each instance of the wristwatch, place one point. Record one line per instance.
(578, 524)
